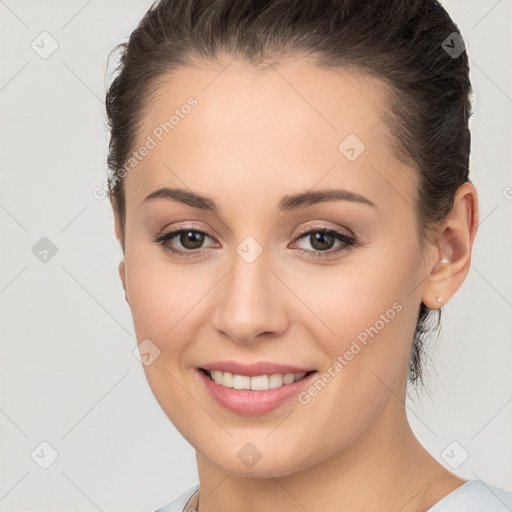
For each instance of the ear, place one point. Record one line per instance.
(122, 266)
(454, 245)
(122, 274)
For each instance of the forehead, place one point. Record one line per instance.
(287, 125)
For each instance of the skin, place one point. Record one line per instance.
(254, 137)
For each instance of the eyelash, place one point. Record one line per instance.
(348, 241)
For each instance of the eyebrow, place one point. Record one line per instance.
(286, 204)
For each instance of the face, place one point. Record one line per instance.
(329, 286)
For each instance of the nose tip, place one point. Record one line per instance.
(250, 307)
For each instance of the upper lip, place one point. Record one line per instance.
(253, 369)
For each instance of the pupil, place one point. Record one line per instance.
(192, 237)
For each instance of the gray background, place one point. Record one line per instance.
(68, 373)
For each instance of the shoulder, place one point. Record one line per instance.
(475, 495)
(179, 503)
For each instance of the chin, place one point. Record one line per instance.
(264, 467)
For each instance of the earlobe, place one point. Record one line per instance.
(435, 293)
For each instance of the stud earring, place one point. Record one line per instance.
(438, 299)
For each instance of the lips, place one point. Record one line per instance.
(254, 369)
(249, 402)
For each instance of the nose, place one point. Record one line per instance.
(251, 302)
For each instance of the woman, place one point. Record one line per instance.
(290, 185)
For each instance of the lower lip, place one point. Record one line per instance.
(253, 403)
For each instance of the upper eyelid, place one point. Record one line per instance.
(191, 225)
(309, 228)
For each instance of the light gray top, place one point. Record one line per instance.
(472, 496)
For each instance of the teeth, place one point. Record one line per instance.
(260, 382)
(257, 383)
(241, 382)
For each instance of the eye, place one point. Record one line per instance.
(322, 240)
(191, 239)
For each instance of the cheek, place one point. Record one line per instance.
(365, 311)
(163, 298)
(167, 302)
(161, 293)
(369, 323)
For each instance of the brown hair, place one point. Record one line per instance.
(405, 43)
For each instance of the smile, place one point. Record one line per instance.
(256, 394)
(255, 383)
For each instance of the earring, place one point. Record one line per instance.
(438, 299)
